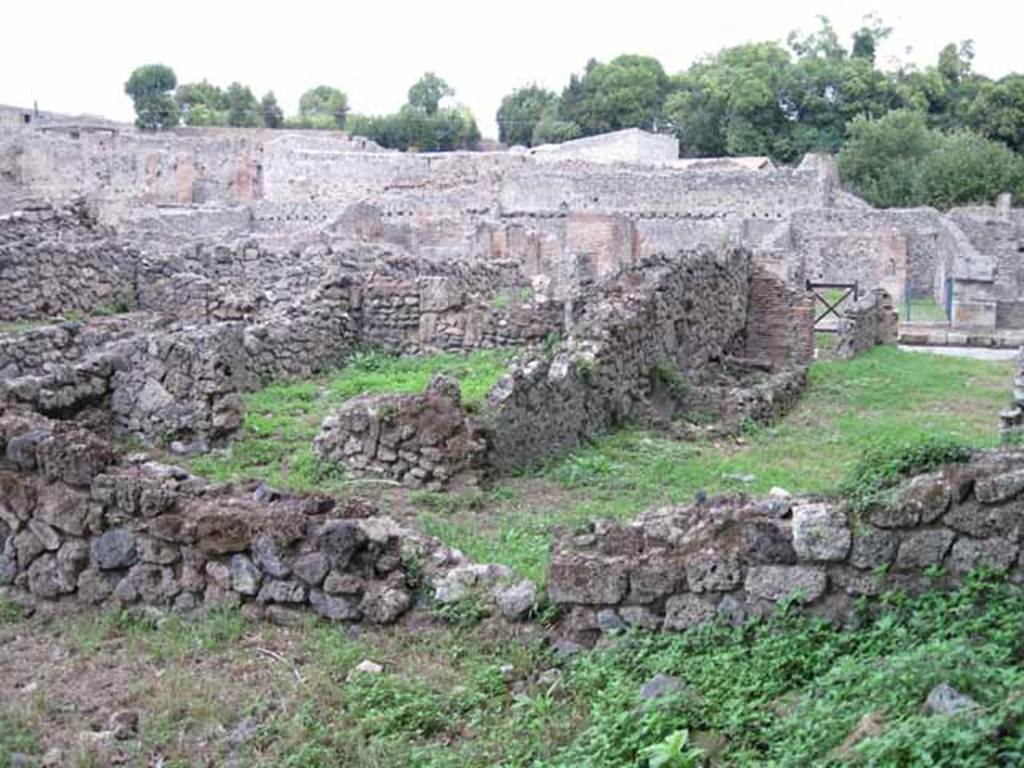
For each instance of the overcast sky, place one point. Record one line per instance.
(75, 56)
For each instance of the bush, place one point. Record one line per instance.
(883, 467)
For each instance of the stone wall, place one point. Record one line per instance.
(78, 523)
(38, 351)
(630, 145)
(75, 525)
(733, 558)
(1011, 420)
(58, 260)
(870, 321)
(670, 336)
(638, 343)
(421, 439)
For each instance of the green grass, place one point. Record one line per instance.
(281, 420)
(22, 326)
(158, 636)
(781, 692)
(923, 310)
(883, 398)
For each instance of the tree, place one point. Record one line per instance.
(733, 104)
(898, 160)
(150, 88)
(426, 93)
(867, 38)
(881, 158)
(998, 111)
(273, 116)
(967, 168)
(627, 92)
(324, 106)
(202, 104)
(243, 109)
(521, 111)
(551, 130)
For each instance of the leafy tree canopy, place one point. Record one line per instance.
(326, 104)
(150, 87)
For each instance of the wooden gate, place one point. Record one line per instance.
(826, 294)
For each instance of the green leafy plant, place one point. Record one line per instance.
(882, 466)
(674, 752)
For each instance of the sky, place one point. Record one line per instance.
(74, 57)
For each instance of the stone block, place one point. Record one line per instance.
(779, 582)
(820, 533)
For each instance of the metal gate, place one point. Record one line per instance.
(830, 302)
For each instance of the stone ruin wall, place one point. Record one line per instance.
(734, 558)
(75, 525)
(290, 189)
(868, 322)
(644, 346)
(54, 261)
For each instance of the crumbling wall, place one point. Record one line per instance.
(636, 340)
(420, 439)
(849, 246)
(870, 321)
(74, 525)
(58, 260)
(733, 558)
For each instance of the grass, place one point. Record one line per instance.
(160, 637)
(785, 692)
(923, 310)
(884, 397)
(22, 326)
(281, 420)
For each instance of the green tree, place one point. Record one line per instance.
(150, 88)
(550, 129)
(243, 108)
(968, 168)
(273, 116)
(521, 111)
(324, 106)
(898, 160)
(998, 111)
(202, 104)
(426, 93)
(627, 92)
(732, 104)
(881, 158)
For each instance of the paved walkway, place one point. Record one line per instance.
(976, 353)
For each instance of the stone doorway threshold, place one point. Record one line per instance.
(941, 335)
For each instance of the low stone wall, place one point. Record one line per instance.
(58, 260)
(871, 321)
(423, 440)
(38, 351)
(74, 525)
(733, 557)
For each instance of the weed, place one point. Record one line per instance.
(10, 612)
(883, 465)
(674, 751)
(671, 379)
